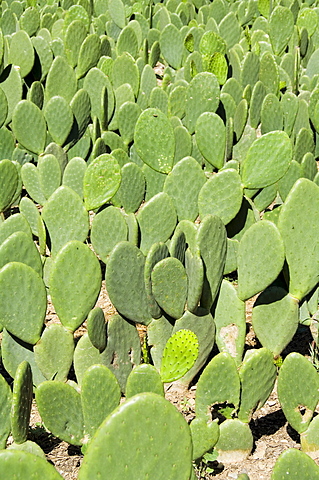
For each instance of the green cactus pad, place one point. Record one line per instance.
(108, 229)
(275, 318)
(124, 279)
(23, 57)
(29, 447)
(256, 272)
(132, 189)
(101, 180)
(203, 326)
(123, 350)
(59, 118)
(75, 283)
(31, 180)
(61, 80)
(21, 402)
(73, 175)
(5, 402)
(169, 286)
(204, 436)
(183, 185)
(50, 174)
(271, 114)
(157, 252)
(235, 441)
(73, 38)
(85, 355)
(157, 219)
(302, 257)
(195, 274)
(12, 88)
(154, 140)
(230, 321)
(294, 464)
(281, 26)
(8, 183)
(212, 242)
(29, 291)
(172, 45)
(202, 96)
(260, 168)
(126, 427)
(15, 351)
(219, 383)
(20, 464)
(27, 113)
(81, 108)
(221, 195)
(257, 376)
(54, 352)
(211, 138)
(96, 328)
(144, 378)
(89, 54)
(64, 416)
(19, 247)
(179, 355)
(298, 394)
(65, 218)
(100, 395)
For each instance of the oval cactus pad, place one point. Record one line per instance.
(138, 440)
(101, 181)
(180, 354)
(267, 160)
(24, 314)
(154, 140)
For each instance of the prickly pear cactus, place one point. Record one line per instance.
(101, 181)
(53, 353)
(5, 402)
(73, 302)
(21, 402)
(180, 354)
(154, 140)
(298, 394)
(100, 395)
(293, 464)
(30, 296)
(301, 257)
(124, 279)
(64, 416)
(122, 436)
(23, 465)
(204, 436)
(256, 272)
(169, 286)
(267, 160)
(144, 378)
(235, 441)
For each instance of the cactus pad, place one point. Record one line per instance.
(19, 464)
(180, 354)
(293, 464)
(145, 419)
(154, 140)
(101, 180)
(64, 416)
(169, 286)
(21, 402)
(25, 316)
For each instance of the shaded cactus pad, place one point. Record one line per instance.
(138, 440)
